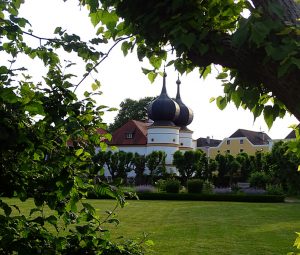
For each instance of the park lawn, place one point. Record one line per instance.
(207, 228)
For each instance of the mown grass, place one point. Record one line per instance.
(207, 228)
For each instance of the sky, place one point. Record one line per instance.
(121, 77)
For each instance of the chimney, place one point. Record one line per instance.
(208, 140)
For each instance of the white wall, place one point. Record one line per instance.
(185, 139)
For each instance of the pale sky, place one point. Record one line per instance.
(121, 77)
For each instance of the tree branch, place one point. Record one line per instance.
(99, 62)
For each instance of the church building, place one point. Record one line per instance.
(166, 130)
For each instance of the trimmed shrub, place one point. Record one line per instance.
(274, 189)
(172, 186)
(258, 180)
(194, 186)
(212, 197)
(208, 187)
(161, 185)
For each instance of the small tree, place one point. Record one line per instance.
(189, 163)
(139, 163)
(155, 163)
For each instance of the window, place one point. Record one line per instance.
(128, 135)
(241, 150)
(228, 142)
(241, 141)
(228, 151)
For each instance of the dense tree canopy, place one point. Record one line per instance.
(131, 109)
(259, 52)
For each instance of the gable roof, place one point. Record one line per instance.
(256, 138)
(292, 134)
(207, 142)
(138, 129)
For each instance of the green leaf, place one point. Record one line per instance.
(79, 152)
(222, 76)
(35, 108)
(152, 76)
(212, 99)
(236, 98)
(96, 85)
(89, 207)
(155, 61)
(125, 47)
(8, 95)
(259, 31)
(221, 102)
(268, 115)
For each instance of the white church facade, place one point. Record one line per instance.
(165, 131)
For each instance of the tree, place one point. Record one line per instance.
(118, 163)
(47, 146)
(259, 53)
(139, 162)
(156, 163)
(131, 110)
(246, 169)
(282, 167)
(189, 163)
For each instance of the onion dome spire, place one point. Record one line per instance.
(163, 110)
(186, 114)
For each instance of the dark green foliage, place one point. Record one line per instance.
(190, 163)
(139, 164)
(131, 110)
(195, 186)
(155, 162)
(274, 189)
(259, 180)
(47, 146)
(172, 186)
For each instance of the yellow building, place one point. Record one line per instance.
(240, 141)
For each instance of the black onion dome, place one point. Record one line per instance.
(163, 110)
(186, 114)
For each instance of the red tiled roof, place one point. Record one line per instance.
(138, 130)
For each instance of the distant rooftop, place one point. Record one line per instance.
(255, 137)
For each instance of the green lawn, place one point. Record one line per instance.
(179, 227)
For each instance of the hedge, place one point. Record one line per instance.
(207, 197)
(212, 197)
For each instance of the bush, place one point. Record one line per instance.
(194, 186)
(258, 180)
(212, 197)
(208, 187)
(172, 186)
(274, 189)
(161, 185)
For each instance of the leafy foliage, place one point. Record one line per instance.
(189, 163)
(47, 148)
(215, 32)
(172, 186)
(131, 110)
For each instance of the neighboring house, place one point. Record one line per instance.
(242, 141)
(206, 143)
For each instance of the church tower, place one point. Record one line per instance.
(163, 134)
(184, 118)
